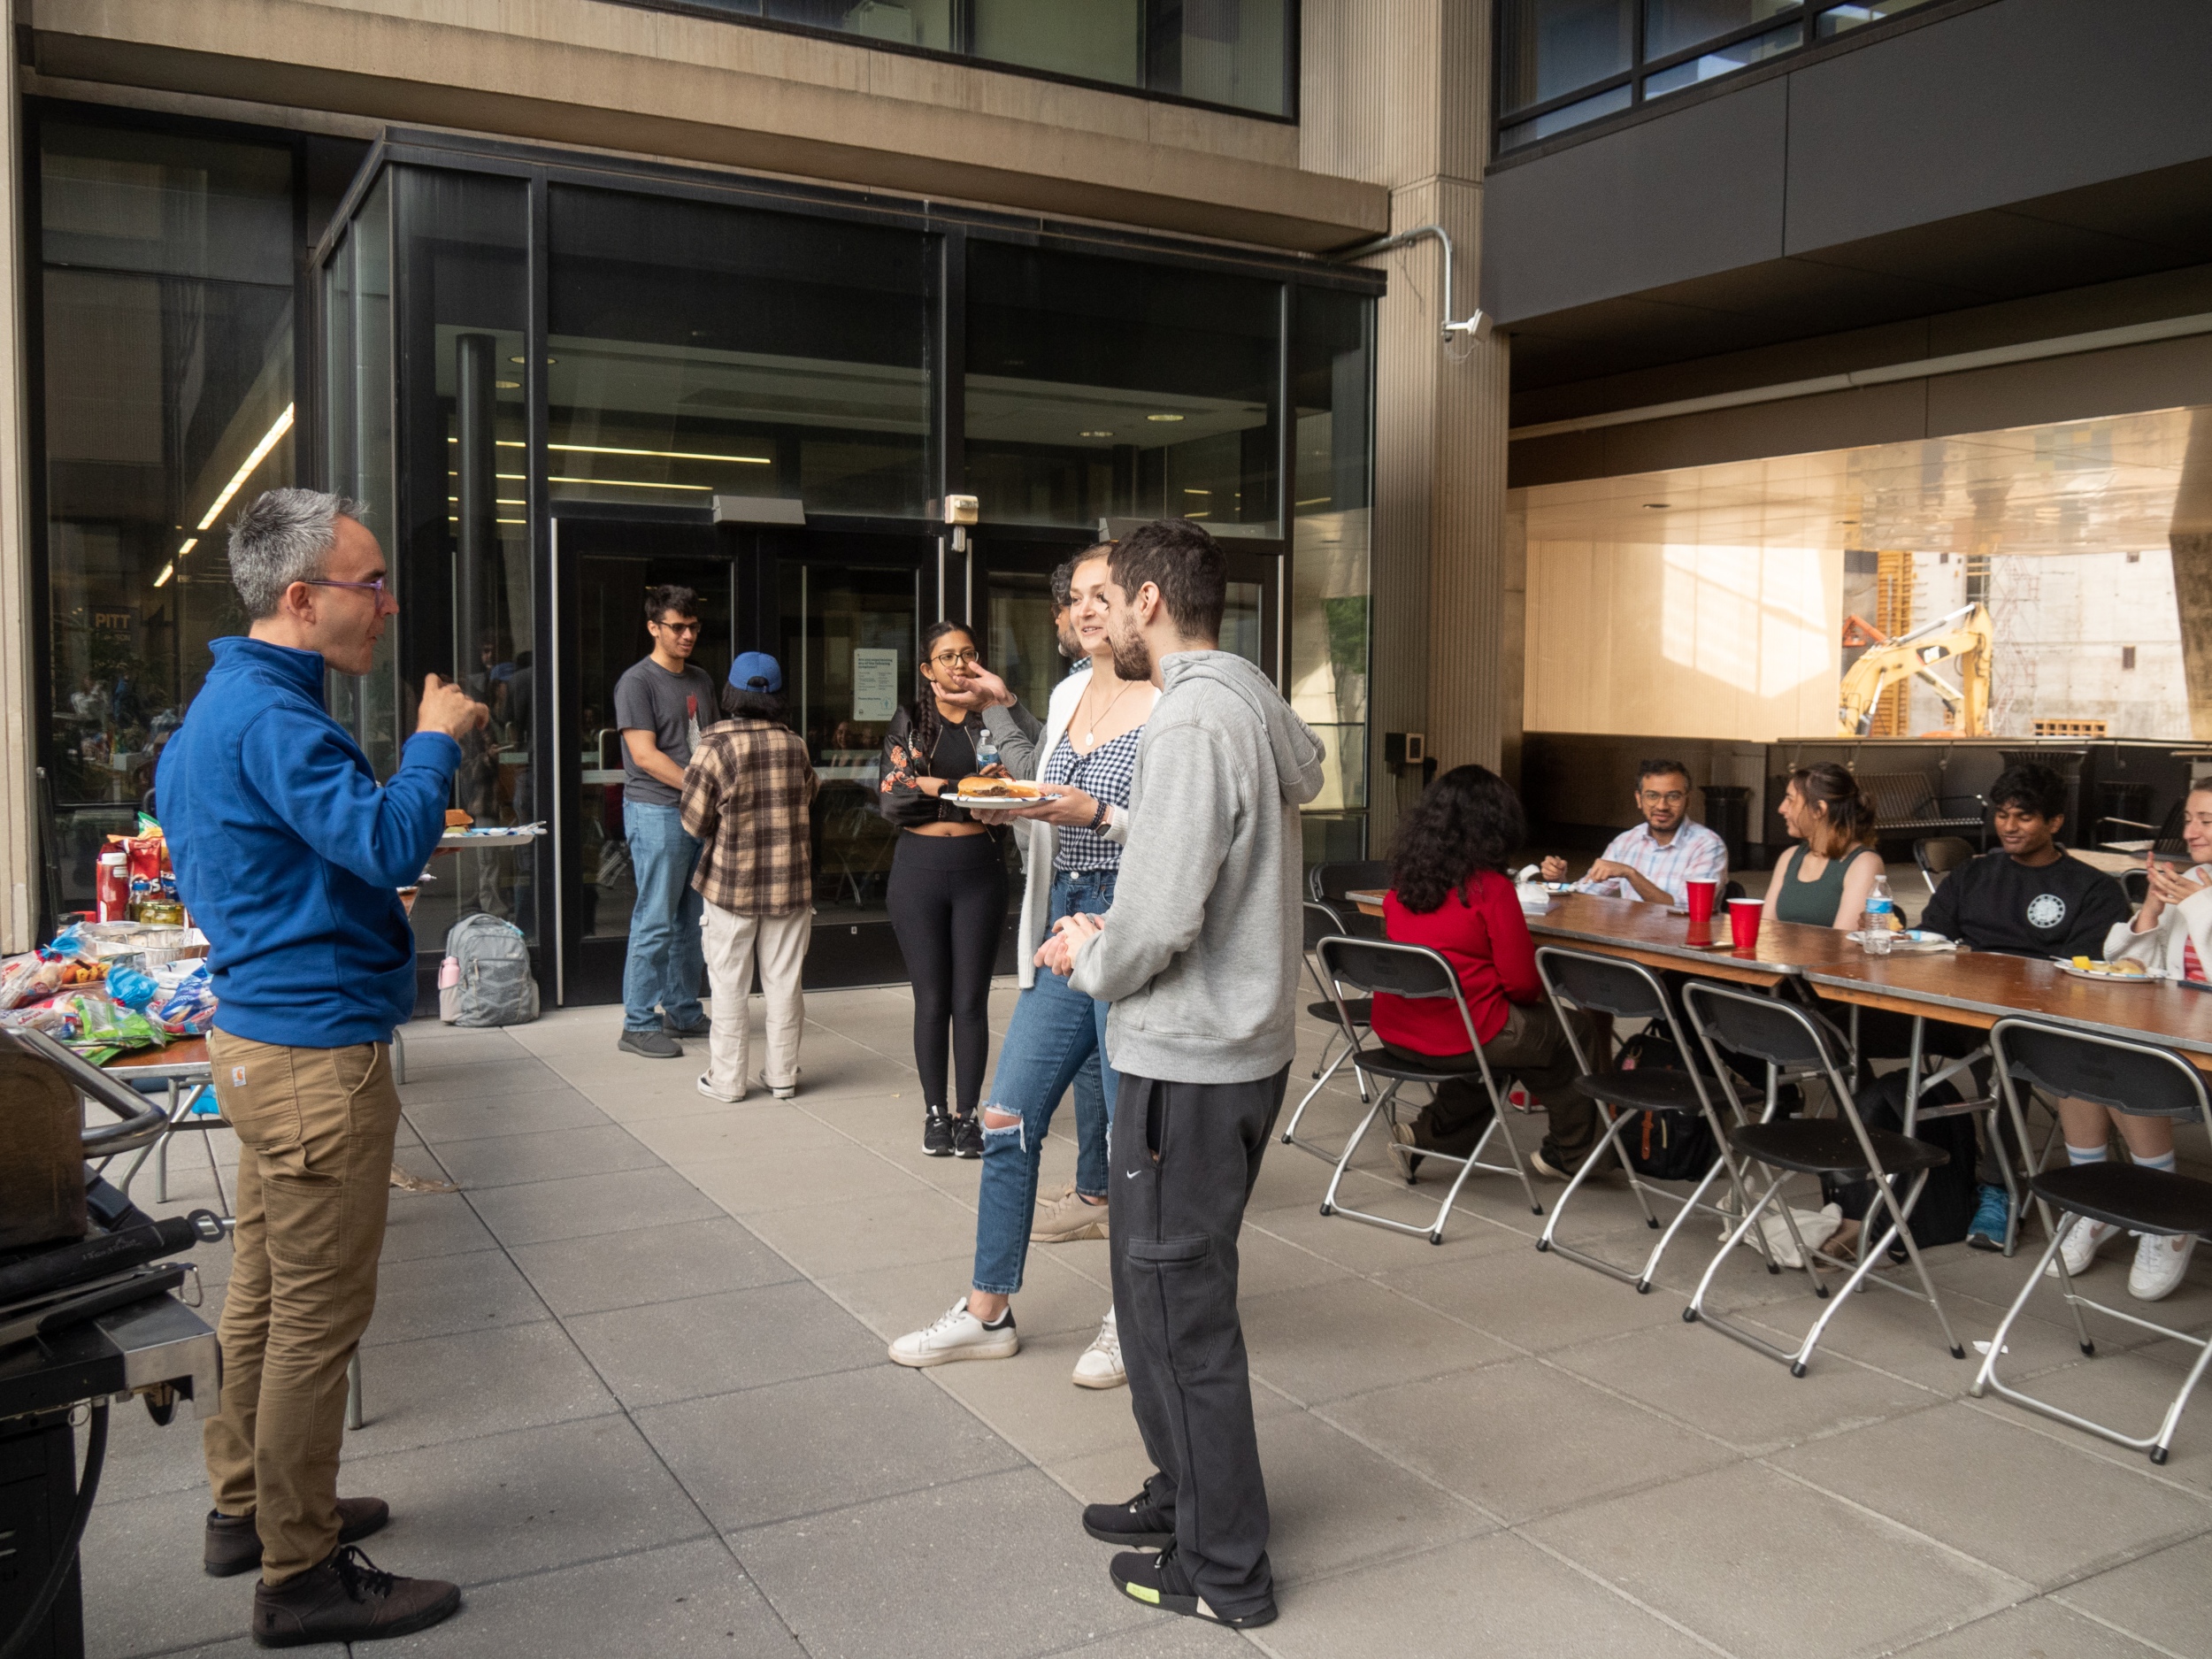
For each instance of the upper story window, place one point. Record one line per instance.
(1236, 53)
(1563, 63)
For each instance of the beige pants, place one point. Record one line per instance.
(730, 939)
(315, 1132)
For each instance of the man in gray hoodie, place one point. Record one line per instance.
(1199, 957)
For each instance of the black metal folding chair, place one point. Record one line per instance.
(1628, 990)
(1353, 968)
(1332, 884)
(1322, 923)
(2135, 1077)
(1785, 1036)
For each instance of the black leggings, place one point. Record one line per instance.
(948, 904)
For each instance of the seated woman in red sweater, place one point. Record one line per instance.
(1449, 891)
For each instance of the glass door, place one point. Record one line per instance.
(604, 568)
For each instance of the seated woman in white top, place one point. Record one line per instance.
(2171, 935)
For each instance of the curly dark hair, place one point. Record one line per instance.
(1468, 820)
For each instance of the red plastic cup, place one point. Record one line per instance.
(1744, 916)
(1701, 898)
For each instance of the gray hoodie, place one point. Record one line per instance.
(1200, 953)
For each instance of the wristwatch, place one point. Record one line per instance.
(1099, 817)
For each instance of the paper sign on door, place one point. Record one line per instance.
(875, 684)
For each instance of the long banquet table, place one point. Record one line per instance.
(1962, 987)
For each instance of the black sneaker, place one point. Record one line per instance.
(937, 1133)
(1138, 1524)
(967, 1136)
(654, 1045)
(1160, 1581)
(347, 1599)
(234, 1543)
(699, 1033)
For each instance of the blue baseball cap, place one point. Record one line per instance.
(756, 670)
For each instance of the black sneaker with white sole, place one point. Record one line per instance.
(1160, 1581)
(937, 1133)
(967, 1136)
(1140, 1523)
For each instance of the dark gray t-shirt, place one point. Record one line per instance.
(675, 708)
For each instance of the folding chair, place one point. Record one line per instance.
(1321, 923)
(2137, 1079)
(1919, 1082)
(1628, 990)
(1784, 1035)
(1366, 967)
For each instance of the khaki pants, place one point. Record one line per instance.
(315, 1132)
(730, 939)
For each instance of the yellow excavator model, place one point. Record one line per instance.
(1965, 635)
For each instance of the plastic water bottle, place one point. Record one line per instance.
(1881, 917)
(986, 749)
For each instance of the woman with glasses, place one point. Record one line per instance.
(948, 893)
(1086, 759)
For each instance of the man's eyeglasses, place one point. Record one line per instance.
(953, 659)
(677, 627)
(376, 586)
(1673, 797)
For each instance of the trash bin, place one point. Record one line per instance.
(2123, 813)
(1728, 815)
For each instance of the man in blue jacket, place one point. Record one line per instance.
(290, 856)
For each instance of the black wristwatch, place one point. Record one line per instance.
(1098, 819)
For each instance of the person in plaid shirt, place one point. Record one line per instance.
(746, 798)
(1658, 859)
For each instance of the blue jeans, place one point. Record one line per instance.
(666, 955)
(1057, 1037)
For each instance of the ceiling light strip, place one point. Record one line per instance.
(238, 479)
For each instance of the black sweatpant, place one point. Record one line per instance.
(1182, 1158)
(948, 904)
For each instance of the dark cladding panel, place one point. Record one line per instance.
(2004, 103)
(1660, 202)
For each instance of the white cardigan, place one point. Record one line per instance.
(2160, 948)
(1039, 840)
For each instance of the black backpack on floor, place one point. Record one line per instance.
(1663, 1145)
(1947, 1206)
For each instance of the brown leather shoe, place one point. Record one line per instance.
(234, 1546)
(348, 1599)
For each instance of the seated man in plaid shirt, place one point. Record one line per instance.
(746, 798)
(1658, 859)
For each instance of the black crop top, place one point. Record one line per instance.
(952, 758)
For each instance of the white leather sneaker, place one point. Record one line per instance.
(707, 1088)
(2159, 1266)
(1101, 1366)
(2081, 1247)
(958, 1335)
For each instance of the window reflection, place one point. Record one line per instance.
(166, 277)
(1104, 389)
(698, 350)
(1547, 48)
(1675, 26)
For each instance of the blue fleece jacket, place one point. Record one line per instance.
(289, 854)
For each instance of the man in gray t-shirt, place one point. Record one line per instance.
(661, 705)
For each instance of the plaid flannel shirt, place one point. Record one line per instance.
(746, 797)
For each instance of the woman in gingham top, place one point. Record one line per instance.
(1089, 751)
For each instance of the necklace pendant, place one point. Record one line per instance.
(1090, 740)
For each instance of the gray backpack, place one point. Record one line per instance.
(485, 980)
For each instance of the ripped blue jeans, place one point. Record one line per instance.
(1056, 1033)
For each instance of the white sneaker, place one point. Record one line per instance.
(781, 1091)
(2159, 1265)
(1101, 1366)
(707, 1088)
(2081, 1247)
(958, 1335)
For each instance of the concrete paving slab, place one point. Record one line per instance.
(898, 1229)
(433, 1224)
(1054, 1299)
(666, 1351)
(2041, 1626)
(436, 1295)
(1350, 1335)
(648, 1264)
(752, 1181)
(2158, 1598)
(586, 1204)
(442, 1122)
(1333, 1504)
(2131, 1391)
(1537, 1303)
(442, 1388)
(801, 1449)
(544, 1154)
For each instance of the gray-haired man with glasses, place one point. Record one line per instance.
(290, 855)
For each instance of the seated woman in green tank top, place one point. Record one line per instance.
(1825, 881)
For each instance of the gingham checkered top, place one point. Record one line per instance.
(1105, 774)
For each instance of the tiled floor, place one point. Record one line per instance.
(628, 1386)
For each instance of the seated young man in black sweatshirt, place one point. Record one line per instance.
(2030, 898)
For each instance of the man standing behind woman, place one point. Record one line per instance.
(746, 799)
(659, 704)
(1092, 732)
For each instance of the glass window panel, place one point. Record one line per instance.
(1099, 388)
(698, 349)
(167, 295)
(1675, 26)
(1332, 377)
(1224, 51)
(903, 22)
(1100, 40)
(1725, 61)
(1844, 17)
(1547, 48)
(1562, 119)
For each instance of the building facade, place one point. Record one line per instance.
(588, 294)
